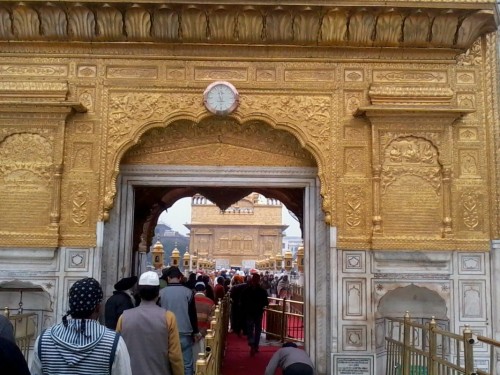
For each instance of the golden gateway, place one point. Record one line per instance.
(375, 122)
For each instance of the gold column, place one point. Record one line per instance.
(446, 175)
(377, 219)
(55, 214)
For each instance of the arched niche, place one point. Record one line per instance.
(420, 302)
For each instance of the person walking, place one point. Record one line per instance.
(119, 301)
(204, 310)
(254, 300)
(237, 317)
(151, 333)
(219, 290)
(81, 345)
(177, 298)
(283, 287)
(292, 361)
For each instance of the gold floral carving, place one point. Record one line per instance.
(470, 202)
(310, 114)
(80, 205)
(468, 134)
(295, 75)
(131, 114)
(87, 71)
(219, 142)
(354, 207)
(211, 74)
(132, 72)
(33, 70)
(408, 76)
(472, 56)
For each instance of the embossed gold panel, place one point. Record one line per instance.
(403, 136)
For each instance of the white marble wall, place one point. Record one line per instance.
(449, 285)
(44, 276)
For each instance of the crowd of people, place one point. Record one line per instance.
(153, 324)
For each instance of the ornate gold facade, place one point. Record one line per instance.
(395, 106)
(248, 230)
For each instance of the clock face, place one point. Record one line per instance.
(221, 98)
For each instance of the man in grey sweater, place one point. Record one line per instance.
(292, 360)
(178, 299)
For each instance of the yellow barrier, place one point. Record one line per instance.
(24, 329)
(210, 362)
(425, 349)
(283, 320)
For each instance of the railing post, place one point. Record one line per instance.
(433, 365)
(283, 321)
(406, 345)
(468, 351)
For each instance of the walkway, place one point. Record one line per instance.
(237, 359)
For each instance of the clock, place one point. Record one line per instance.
(221, 98)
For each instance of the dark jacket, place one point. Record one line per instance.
(254, 299)
(115, 306)
(12, 360)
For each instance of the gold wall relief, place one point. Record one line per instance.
(354, 75)
(466, 100)
(86, 71)
(218, 142)
(82, 156)
(26, 175)
(265, 75)
(176, 74)
(132, 72)
(33, 70)
(468, 134)
(214, 74)
(469, 164)
(132, 114)
(352, 101)
(409, 162)
(355, 210)
(298, 107)
(86, 96)
(355, 161)
(466, 78)
(471, 211)
(80, 205)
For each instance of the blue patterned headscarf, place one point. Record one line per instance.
(84, 296)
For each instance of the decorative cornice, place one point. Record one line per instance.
(405, 94)
(430, 24)
(420, 112)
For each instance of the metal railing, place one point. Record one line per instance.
(425, 349)
(24, 329)
(210, 362)
(284, 320)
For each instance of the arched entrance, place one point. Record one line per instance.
(222, 158)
